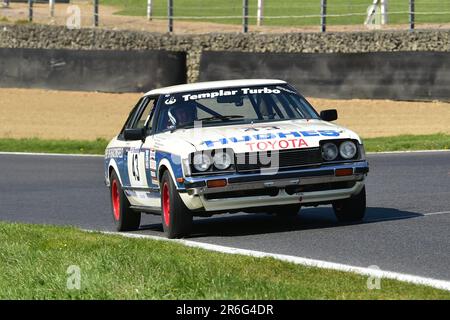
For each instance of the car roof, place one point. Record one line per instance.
(214, 85)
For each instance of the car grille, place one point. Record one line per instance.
(253, 161)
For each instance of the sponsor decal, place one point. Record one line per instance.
(287, 90)
(170, 101)
(114, 153)
(152, 164)
(147, 159)
(222, 93)
(152, 154)
(152, 160)
(277, 144)
(288, 139)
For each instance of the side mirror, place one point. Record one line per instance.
(134, 134)
(329, 115)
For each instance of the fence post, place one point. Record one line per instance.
(384, 11)
(51, 4)
(245, 16)
(323, 16)
(30, 10)
(149, 9)
(95, 13)
(170, 14)
(260, 13)
(411, 15)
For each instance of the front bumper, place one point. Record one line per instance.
(313, 185)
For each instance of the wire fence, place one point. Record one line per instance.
(232, 15)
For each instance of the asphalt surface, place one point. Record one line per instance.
(399, 233)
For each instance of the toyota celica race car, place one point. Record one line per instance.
(231, 146)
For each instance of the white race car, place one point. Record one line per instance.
(231, 146)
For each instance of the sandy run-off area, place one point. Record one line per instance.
(26, 113)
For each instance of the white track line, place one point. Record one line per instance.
(49, 154)
(436, 213)
(438, 284)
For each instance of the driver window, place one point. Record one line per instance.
(146, 115)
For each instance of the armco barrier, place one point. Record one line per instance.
(91, 70)
(378, 75)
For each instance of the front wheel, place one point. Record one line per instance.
(176, 217)
(125, 218)
(352, 209)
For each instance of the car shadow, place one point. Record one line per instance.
(241, 224)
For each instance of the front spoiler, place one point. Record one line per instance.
(196, 187)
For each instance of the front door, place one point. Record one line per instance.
(140, 191)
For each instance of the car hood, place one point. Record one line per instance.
(266, 136)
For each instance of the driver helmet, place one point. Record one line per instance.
(183, 113)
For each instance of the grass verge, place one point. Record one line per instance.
(398, 11)
(54, 146)
(35, 259)
(439, 141)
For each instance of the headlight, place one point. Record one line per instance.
(202, 162)
(347, 150)
(329, 151)
(222, 160)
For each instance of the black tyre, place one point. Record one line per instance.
(124, 217)
(287, 211)
(176, 217)
(351, 209)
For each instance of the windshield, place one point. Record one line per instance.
(233, 106)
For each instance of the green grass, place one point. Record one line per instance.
(53, 146)
(439, 141)
(34, 261)
(208, 8)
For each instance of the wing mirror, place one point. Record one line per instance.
(134, 134)
(329, 115)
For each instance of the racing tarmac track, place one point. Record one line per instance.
(406, 229)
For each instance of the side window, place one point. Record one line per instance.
(144, 119)
(131, 116)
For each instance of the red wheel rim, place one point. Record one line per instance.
(166, 204)
(115, 200)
